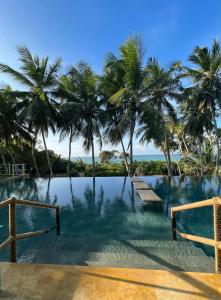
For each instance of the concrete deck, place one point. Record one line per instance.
(56, 282)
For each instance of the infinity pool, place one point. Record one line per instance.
(107, 208)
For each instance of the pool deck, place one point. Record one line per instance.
(144, 191)
(57, 282)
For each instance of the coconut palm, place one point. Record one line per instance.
(157, 128)
(87, 105)
(39, 77)
(117, 125)
(69, 122)
(11, 129)
(197, 121)
(158, 114)
(132, 89)
(206, 78)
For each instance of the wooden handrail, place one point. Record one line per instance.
(35, 204)
(25, 235)
(197, 204)
(6, 202)
(13, 237)
(199, 239)
(7, 242)
(216, 242)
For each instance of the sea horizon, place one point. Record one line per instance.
(139, 157)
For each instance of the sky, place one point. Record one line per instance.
(90, 29)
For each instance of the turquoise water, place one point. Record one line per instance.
(150, 157)
(108, 208)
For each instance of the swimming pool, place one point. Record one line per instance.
(96, 215)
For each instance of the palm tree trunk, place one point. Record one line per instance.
(13, 159)
(3, 159)
(34, 157)
(69, 155)
(131, 147)
(217, 143)
(93, 159)
(46, 150)
(169, 162)
(201, 159)
(168, 157)
(125, 157)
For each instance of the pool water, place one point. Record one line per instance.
(106, 209)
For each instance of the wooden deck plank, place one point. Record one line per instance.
(148, 195)
(139, 185)
(136, 179)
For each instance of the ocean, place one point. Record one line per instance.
(150, 157)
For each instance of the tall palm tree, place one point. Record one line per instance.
(117, 125)
(69, 121)
(39, 77)
(163, 86)
(197, 121)
(86, 104)
(206, 78)
(132, 89)
(157, 128)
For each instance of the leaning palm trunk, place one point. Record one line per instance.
(46, 150)
(125, 157)
(69, 156)
(34, 157)
(169, 162)
(201, 159)
(131, 147)
(217, 143)
(93, 159)
(168, 157)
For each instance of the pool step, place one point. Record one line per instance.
(171, 255)
(150, 259)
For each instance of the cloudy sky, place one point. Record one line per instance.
(86, 29)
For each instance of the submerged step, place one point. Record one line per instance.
(148, 259)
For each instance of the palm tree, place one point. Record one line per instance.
(87, 106)
(39, 78)
(158, 113)
(197, 121)
(157, 128)
(206, 78)
(131, 91)
(69, 121)
(11, 129)
(117, 125)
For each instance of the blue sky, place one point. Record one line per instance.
(88, 30)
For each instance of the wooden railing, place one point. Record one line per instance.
(216, 242)
(13, 237)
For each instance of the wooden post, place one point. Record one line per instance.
(217, 233)
(173, 222)
(58, 220)
(12, 229)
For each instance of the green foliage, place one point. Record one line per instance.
(107, 156)
(79, 165)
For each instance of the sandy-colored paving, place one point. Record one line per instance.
(56, 282)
